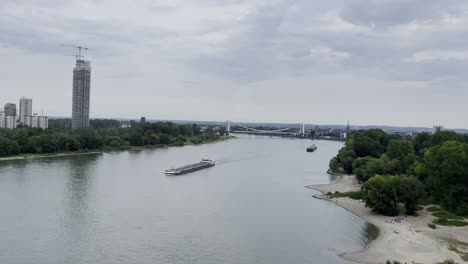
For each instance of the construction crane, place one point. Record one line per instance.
(79, 56)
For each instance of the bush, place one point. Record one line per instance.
(356, 195)
(433, 209)
(447, 215)
(448, 261)
(447, 222)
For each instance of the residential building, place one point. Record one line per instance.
(25, 109)
(43, 122)
(436, 129)
(10, 109)
(81, 93)
(37, 121)
(143, 119)
(10, 122)
(2, 119)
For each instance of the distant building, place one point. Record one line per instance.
(25, 109)
(10, 122)
(37, 121)
(43, 122)
(344, 135)
(10, 109)
(81, 93)
(436, 129)
(2, 119)
(143, 119)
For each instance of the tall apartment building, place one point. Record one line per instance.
(25, 109)
(81, 93)
(10, 109)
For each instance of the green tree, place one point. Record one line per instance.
(380, 194)
(135, 137)
(8, 147)
(400, 154)
(371, 142)
(334, 165)
(421, 142)
(398, 149)
(346, 158)
(410, 191)
(151, 139)
(164, 139)
(447, 169)
(88, 137)
(366, 167)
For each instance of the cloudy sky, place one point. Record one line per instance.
(386, 62)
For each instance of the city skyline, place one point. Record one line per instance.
(11, 116)
(277, 61)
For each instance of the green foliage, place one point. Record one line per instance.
(433, 209)
(89, 137)
(438, 164)
(8, 147)
(334, 165)
(102, 134)
(371, 142)
(448, 261)
(380, 194)
(366, 167)
(63, 123)
(355, 195)
(447, 166)
(346, 158)
(410, 190)
(104, 123)
(401, 155)
(398, 149)
(447, 222)
(421, 142)
(447, 215)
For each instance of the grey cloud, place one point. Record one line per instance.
(174, 48)
(384, 13)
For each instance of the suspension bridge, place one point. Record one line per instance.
(283, 132)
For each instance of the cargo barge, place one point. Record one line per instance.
(205, 163)
(312, 148)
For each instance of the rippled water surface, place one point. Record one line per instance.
(119, 207)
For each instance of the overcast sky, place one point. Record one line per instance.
(392, 62)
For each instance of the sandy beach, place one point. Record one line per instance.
(407, 240)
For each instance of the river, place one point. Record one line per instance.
(119, 207)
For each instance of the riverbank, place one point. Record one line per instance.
(75, 153)
(403, 238)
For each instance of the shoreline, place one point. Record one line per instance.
(29, 156)
(401, 238)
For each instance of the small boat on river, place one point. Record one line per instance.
(205, 163)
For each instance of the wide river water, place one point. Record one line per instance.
(119, 207)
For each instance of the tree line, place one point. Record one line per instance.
(101, 135)
(396, 170)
